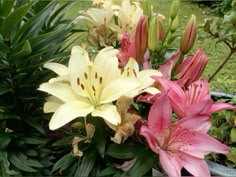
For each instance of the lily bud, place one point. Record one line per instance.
(153, 34)
(175, 24)
(192, 67)
(189, 35)
(141, 38)
(147, 8)
(174, 9)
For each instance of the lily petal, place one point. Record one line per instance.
(109, 113)
(113, 90)
(68, 112)
(52, 104)
(160, 115)
(149, 135)
(169, 163)
(59, 90)
(221, 106)
(60, 69)
(195, 166)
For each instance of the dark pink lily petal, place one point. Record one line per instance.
(169, 163)
(200, 108)
(195, 123)
(151, 140)
(221, 106)
(195, 166)
(160, 115)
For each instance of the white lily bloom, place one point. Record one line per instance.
(131, 70)
(92, 89)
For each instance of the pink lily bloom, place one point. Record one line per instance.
(194, 100)
(128, 49)
(180, 144)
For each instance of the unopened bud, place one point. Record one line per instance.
(141, 37)
(153, 34)
(147, 8)
(175, 24)
(174, 9)
(189, 35)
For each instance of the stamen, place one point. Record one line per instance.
(78, 81)
(128, 73)
(93, 88)
(96, 75)
(100, 80)
(134, 73)
(82, 86)
(85, 75)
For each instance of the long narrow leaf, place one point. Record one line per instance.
(9, 24)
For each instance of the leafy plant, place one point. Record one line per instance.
(31, 33)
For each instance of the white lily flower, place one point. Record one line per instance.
(92, 89)
(131, 70)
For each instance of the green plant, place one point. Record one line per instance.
(223, 30)
(31, 33)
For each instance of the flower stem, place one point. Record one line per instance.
(232, 51)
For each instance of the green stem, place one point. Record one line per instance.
(232, 50)
(168, 30)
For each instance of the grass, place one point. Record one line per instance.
(225, 80)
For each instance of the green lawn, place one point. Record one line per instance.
(225, 80)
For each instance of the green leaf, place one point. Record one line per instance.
(5, 139)
(108, 171)
(124, 151)
(27, 161)
(87, 163)
(34, 25)
(34, 140)
(5, 7)
(32, 122)
(6, 164)
(8, 116)
(63, 163)
(26, 50)
(58, 11)
(144, 162)
(5, 89)
(9, 24)
(19, 163)
(100, 136)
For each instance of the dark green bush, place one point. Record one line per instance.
(31, 33)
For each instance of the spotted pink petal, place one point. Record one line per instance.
(195, 123)
(170, 164)
(151, 140)
(160, 115)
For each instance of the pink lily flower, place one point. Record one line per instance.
(180, 144)
(128, 49)
(194, 100)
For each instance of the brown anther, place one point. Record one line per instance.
(82, 86)
(93, 88)
(78, 81)
(134, 73)
(85, 75)
(100, 80)
(96, 75)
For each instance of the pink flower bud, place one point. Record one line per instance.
(141, 38)
(192, 67)
(189, 36)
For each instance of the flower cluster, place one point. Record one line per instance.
(118, 79)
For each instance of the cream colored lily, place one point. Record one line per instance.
(92, 89)
(131, 70)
